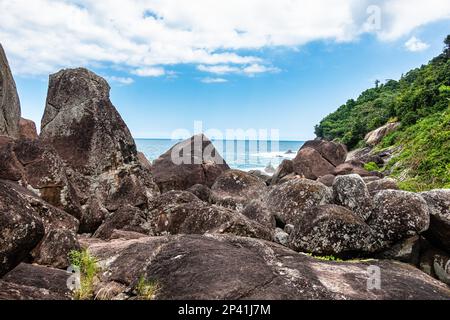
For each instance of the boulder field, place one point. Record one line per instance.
(190, 227)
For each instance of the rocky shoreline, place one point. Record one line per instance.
(200, 230)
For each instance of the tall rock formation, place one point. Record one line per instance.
(9, 100)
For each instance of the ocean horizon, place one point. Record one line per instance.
(245, 155)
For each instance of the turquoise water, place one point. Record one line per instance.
(242, 155)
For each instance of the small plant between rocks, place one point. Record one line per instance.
(89, 269)
(146, 290)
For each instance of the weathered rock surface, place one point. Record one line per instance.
(407, 251)
(332, 230)
(54, 249)
(435, 263)
(21, 229)
(31, 282)
(201, 191)
(373, 138)
(27, 129)
(383, 184)
(438, 202)
(310, 164)
(234, 189)
(290, 200)
(351, 167)
(327, 180)
(102, 165)
(180, 212)
(83, 126)
(10, 167)
(334, 153)
(261, 175)
(231, 268)
(350, 191)
(256, 210)
(398, 215)
(9, 100)
(285, 168)
(197, 162)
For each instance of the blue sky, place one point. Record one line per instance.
(289, 82)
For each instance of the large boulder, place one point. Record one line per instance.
(10, 167)
(83, 126)
(435, 263)
(438, 202)
(352, 167)
(32, 282)
(96, 148)
(373, 138)
(332, 230)
(398, 215)
(20, 227)
(180, 212)
(311, 164)
(382, 184)
(226, 267)
(235, 189)
(350, 191)
(284, 169)
(9, 100)
(27, 129)
(334, 153)
(193, 161)
(290, 200)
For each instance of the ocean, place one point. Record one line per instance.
(241, 155)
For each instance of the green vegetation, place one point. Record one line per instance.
(371, 166)
(88, 271)
(146, 290)
(325, 258)
(420, 102)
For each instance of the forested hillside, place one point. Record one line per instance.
(420, 101)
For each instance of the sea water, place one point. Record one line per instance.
(241, 155)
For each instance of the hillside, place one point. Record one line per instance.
(420, 102)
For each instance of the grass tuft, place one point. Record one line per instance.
(88, 271)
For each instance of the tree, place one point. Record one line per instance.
(447, 46)
(377, 83)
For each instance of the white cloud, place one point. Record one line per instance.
(42, 36)
(214, 80)
(415, 45)
(250, 70)
(149, 72)
(121, 80)
(219, 69)
(257, 68)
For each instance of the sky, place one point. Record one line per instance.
(253, 64)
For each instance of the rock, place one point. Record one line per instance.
(367, 180)
(435, 263)
(351, 168)
(257, 211)
(234, 189)
(10, 167)
(127, 218)
(178, 212)
(83, 126)
(27, 129)
(226, 267)
(289, 228)
(373, 138)
(197, 162)
(310, 164)
(407, 251)
(51, 217)
(201, 191)
(398, 215)
(20, 227)
(332, 230)
(358, 154)
(382, 184)
(32, 282)
(351, 192)
(438, 202)
(286, 167)
(334, 153)
(290, 200)
(9, 100)
(327, 180)
(281, 237)
(96, 147)
(54, 249)
(144, 161)
(261, 175)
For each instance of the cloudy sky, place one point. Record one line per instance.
(232, 64)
